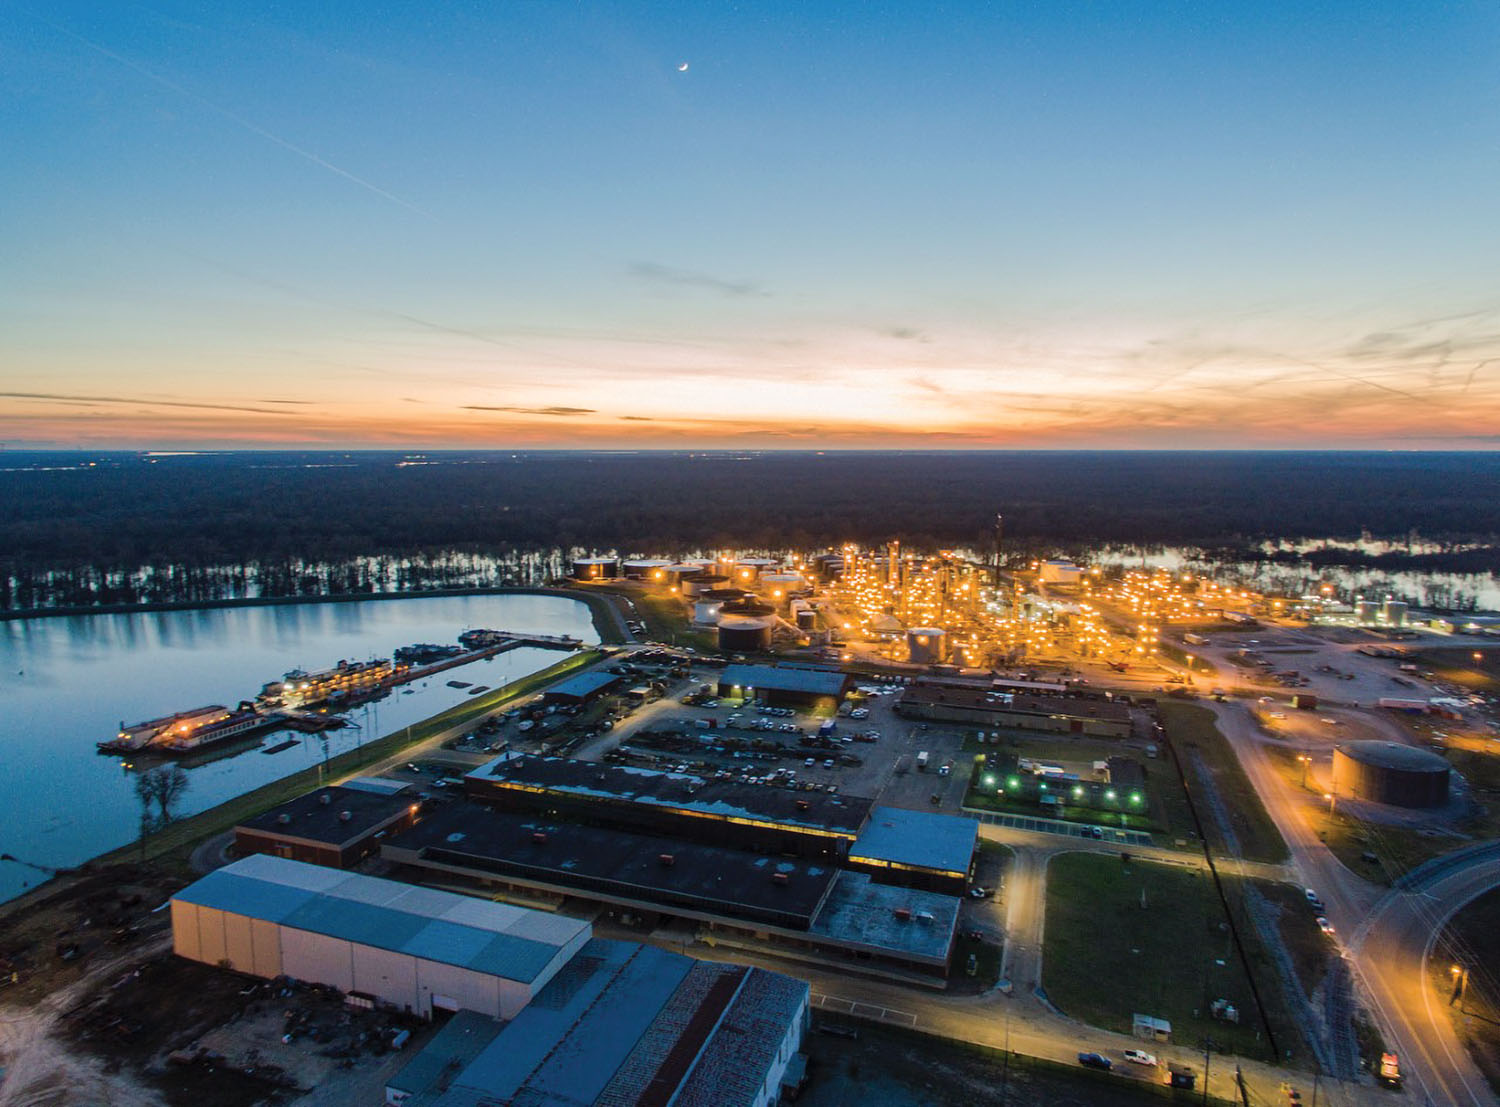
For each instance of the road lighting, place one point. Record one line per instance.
(1460, 985)
(1333, 803)
(1306, 761)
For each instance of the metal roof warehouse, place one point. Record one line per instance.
(784, 682)
(625, 1024)
(407, 946)
(918, 840)
(578, 689)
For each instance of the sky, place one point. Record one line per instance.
(756, 225)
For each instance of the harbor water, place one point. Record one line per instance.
(67, 683)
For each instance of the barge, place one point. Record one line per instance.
(189, 731)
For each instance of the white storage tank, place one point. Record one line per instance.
(706, 611)
(1393, 613)
(646, 568)
(777, 588)
(927, 645)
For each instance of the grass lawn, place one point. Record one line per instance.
(1308, 946)
(1472, 940)
(1192, 728)
(1107, 958)
(667, 617)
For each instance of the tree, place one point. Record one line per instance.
(163, 786)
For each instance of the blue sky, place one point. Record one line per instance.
(1050, 225)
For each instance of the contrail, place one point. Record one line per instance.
(253, 128)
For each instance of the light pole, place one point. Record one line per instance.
(1460, 985)
(1306, 761)
(1333, 803)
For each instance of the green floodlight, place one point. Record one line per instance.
(1135, 797)
(1110, 794)
(989, 781)
(1013, 782)
(1077, 791)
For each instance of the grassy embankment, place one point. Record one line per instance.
(175, 841)
(1471, 940)
(667, 616)
(1138, 938)
(1192, 730)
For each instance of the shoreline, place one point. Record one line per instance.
(187, 832)
(608, 621)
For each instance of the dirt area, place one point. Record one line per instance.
(96, 1009)
(886, 1068)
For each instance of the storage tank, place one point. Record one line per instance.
(807, 618)
(1393, 612)
(704, 582)
(595, 568)
(1364, 612)
(745, 633)
(748, 570)
(1058, 571)
(777, 588)
(646, 568)
(1389, 772)
(706, 611)
(927, 645)
(749, 604)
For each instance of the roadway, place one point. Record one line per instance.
(1390, 934)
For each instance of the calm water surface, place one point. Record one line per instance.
(67, 683)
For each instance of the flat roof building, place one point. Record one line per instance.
(917, 847)
(411, 948)
(785, 684)
(786, 904)
(719, 812)
(624, 1024)
(335, 826)
(985, 707)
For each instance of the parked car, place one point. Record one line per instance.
(1095, 1061)
(1325, 926)
(978, 892)
(1140, 1057)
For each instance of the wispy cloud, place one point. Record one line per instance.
(688, 278)
(531, 410)
(137, 401)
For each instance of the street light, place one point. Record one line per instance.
(1460, 985)
(1306, 761)
(1333, 803)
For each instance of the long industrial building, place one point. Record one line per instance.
(982, 706)
(543, 1013)
(624, 1025)
(722, 812)
(804, 908)
(414, 949)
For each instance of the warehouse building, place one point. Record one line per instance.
(580, 689)
(917, 849)
(625, 1024)
(808, 909)
(786, 685)
(414, 949)
(952, 702)
(336, 826)
(714, 812)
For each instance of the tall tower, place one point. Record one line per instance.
(999, 539)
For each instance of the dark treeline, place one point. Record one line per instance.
(307, 519)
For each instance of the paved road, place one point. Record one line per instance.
(1390, 933)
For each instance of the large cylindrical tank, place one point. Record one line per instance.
(1364, 612)
(646, 568)
(1389, 772)
(706, 611)
(744, 633)
(777, 588)
(807, 618)
(595, 568)
(1393, 612)
(749, 605)
(748, 570)
(927, 645)
(704, 582)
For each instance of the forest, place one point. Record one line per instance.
(97, 524)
